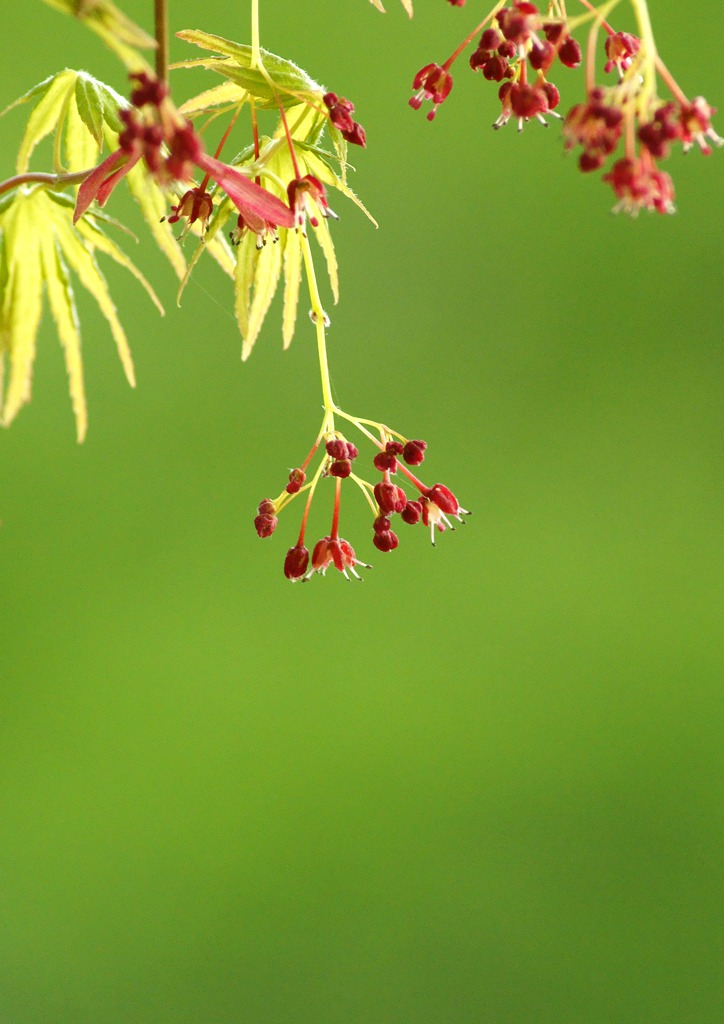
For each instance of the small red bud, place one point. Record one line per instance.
(267, 507)
(414, 452)
(385, 541)
(444, 499)
(541, 57)
(356, 135)
(412, 512)
(341, 468)
(553, 31)
(352, 450)
(296, 479)
(337, 448)
(570, 53)
(381, 524)
(390, 497)
(385, 462)
(491, 39)
(296, 562)
(265, 525)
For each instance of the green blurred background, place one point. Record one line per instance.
(486, 785)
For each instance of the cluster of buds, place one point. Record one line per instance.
(648, 129)
(154, 132)
(518, 48)
(434, 506)
(340, 114)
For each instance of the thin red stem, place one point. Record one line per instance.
(311, 454)
(590, 7)
(466, 42)
(412, 478)
(290, 141)
(255, 133)
(335, 516)
(671, 82)
(217, 154)
(303, 527)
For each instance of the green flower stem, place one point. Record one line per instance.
(319, 317)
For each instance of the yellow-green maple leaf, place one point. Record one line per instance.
(39, 247)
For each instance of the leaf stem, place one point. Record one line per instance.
(161, 32)
(42, 178)
(255, 45)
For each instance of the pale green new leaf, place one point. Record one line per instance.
(74, 104)
(227, 92)
(154, 209)
(89, 103)
(39, 246)
(407, 4)
(22, 302)
(97, 239)
(324, 237)
(81, 259)
(215, 246)
(289, 81)
(246, 257)
(80, 148)
(321, 169)
(256, 284)
(46, 116)
(117, 31)
(292, 281)
(65, 314)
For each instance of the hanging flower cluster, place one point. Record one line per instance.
(433, 506)
(520, 45)
(154, 131)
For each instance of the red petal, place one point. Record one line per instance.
(92, 184)
(249, 198)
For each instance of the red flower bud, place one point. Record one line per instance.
(390, 497)
(570, 53)
(267, 507)
(541, 57)
(352, 450)
(265, 525)
(381, 524)
(385, 541)
(414, 452)
(385, 462)
(296, 479)
(444, 499)
(337, 448)
(341, 468)
(356, 135)
(412, 512)
(491, 39)
(296, 563)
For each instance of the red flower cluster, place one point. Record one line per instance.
(598, 127)
(155, 132)
(517, 49)
(340, 114)
(433, 506)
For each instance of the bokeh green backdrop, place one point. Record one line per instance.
(485, 786)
